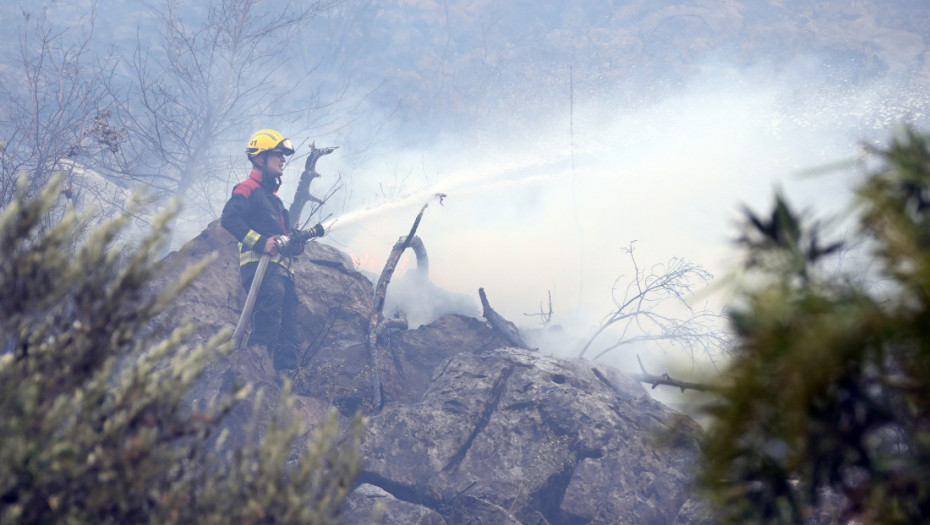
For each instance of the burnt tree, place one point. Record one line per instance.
(376, 322)
(501, 324)
(302, 195)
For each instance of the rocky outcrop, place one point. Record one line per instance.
(471, 430)
(541, 439)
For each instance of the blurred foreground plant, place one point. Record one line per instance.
(824, 412)
(94, 427)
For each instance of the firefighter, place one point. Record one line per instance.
(257, 218)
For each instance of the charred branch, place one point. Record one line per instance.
(302, 195)
(416, 244)
(502, 325)
(666, 380)
(376, 319)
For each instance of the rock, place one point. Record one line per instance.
(410, 358)
(478, 511)
(537, 436)
(370, 504)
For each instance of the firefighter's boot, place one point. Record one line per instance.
(284, 358)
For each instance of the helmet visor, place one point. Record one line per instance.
(285, 147)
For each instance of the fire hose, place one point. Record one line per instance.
(246, 315)
(283, 242)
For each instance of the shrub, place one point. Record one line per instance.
(824, 412)
(94, 427)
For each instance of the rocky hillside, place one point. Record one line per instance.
(472, 430)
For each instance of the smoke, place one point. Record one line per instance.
(550, 204)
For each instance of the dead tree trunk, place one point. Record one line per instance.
(376, 319)
(302, 195)
(505, 327)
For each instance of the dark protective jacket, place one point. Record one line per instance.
(254, 213)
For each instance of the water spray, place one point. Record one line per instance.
(464, 185)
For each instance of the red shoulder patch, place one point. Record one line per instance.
(246, 187)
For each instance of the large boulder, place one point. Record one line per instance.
(538, 438)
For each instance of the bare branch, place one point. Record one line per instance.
(191, 94)
(52, 120)
(648, 308)
(502, 325)
(545, 315)
(666, 380)
(302, 195)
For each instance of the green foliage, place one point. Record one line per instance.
(824, 412)
(94, 424)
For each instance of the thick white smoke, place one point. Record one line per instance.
(549, 204)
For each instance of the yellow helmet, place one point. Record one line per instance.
(268, 140)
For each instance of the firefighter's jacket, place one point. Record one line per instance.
(254, 213)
